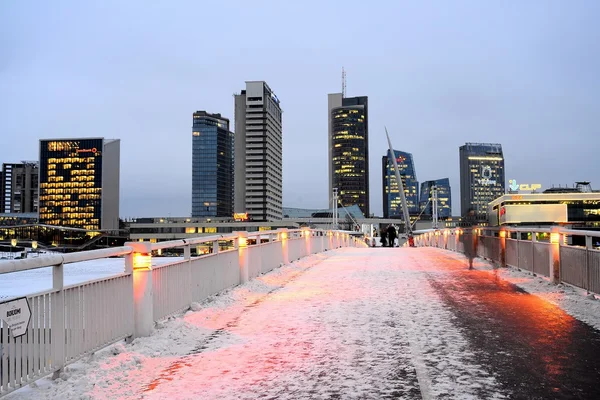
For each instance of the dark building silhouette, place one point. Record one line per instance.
(348, 139)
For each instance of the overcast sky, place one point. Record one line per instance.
(525, 74)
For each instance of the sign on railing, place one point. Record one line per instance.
(16, 313)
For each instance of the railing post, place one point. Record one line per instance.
(588, 246)
(143, 291)
(555, 237)
(242, 246)
(58, 320)
(187, 256)
(307, 238)
(502, 235)
(446, 240)
(475, 237)
(456, 239)
(282, 235)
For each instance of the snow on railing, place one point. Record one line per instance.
(564, 255)
(68, 322)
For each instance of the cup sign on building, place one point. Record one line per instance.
(481, 177)
(514, 187)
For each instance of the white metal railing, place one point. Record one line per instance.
(68, 322)
(564, 255)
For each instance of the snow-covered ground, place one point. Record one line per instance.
(37, 280)
(318, 328)
(349, 323)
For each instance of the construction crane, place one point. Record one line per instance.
(407, 224)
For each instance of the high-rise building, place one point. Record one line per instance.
(392, 201)
(481, 177)
(444, 198)
(212, 166)
(348, 136)
(79, 183)
(258, 153)
(19, 187)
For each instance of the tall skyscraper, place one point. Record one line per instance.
(444, 197)
(392, 201)
(481, 177)
(19, 187)
(212, 166)
(258, 153)
(79, 183)
(348, 137)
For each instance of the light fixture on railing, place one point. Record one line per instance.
(555, 238)
(13, 242)
(142, 261)
(502, 233)
(34, 244)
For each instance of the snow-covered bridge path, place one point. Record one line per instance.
(353, 323)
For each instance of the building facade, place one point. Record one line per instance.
(258, 153)
(571, 209)
(348, 137)
(481, 178)
(19, 187)
(444, 198)
(212, 166)
(79, 183)
(392, 201)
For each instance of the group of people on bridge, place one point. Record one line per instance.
(388, 236)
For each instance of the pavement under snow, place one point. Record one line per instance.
(352, 323)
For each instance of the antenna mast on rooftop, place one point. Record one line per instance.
(343, 83)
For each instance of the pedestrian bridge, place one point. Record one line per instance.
(338, 320)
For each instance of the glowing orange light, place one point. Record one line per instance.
(437, 233)
(242, 241)
(142, 261)
(283, 235)
(554, 237)
(502, 234)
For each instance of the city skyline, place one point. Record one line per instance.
(478, 73)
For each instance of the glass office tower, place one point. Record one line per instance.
(212, 166)
(444, 195)
(392, 201)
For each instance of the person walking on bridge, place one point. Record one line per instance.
(383, 239)
(391, 232)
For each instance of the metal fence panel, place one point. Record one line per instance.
(572, 266)
(272, 256)
(511, 253)
(255, 260)
(171, 288)
(214, 273)
(525, 255)
(541, 258)
(481, 245)
(297, 248)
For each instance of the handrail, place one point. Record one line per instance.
(57, 259)
(50, 260)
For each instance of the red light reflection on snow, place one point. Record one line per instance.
(538, 323)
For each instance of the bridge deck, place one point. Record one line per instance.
(355, 323)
